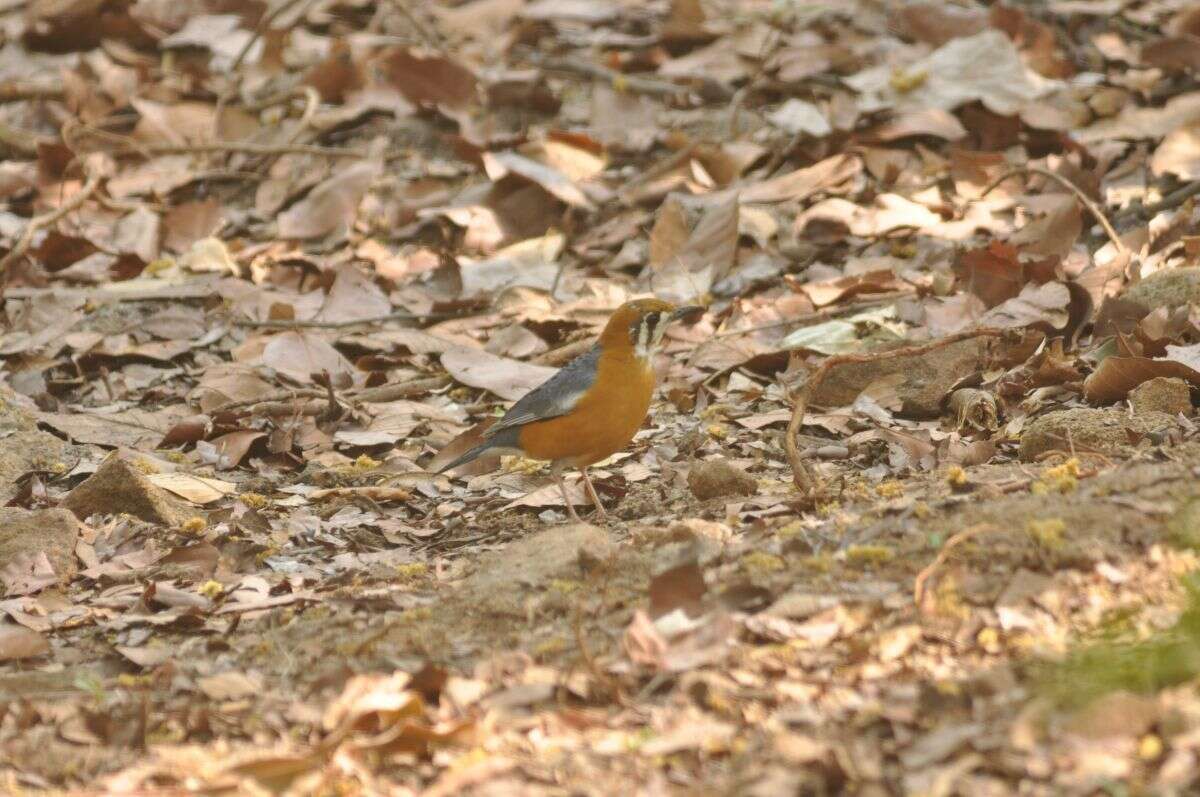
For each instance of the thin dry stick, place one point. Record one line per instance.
(246, 147)
(1092, 207)
(295, 324)
(262, 25)
(943, 555)
(312, 101)
(1168, 202)
(805, 478)
(16, 92)
(284, 401)
(819, 315)
(48, 219)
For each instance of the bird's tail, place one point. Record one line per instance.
(464, 458)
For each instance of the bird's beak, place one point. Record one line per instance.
(692, 312)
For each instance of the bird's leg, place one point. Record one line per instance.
(562, 485)
(591, 491)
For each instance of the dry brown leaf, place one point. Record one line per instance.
(557, 184)
(188, 222)
(1053, 235)
(18, 643)
(984, 67)
(707, 256)
(332, 205)
(1179, 152)
(508, 379)
(1036, 305)
(300, 354)
(433, 79)
(803, 183)
(26, 574)
(1116, 376)
(197, 489)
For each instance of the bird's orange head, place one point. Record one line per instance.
(640, 325)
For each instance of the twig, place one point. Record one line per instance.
(246, 147)
(1168, 202)
(15, 92)
(804, 477)
(284, 402)
(403, 390)
(48, 219)
(430, 38)
(943, 555)
(296, 324)
(312, 101)
(1087, 201)
(262, 25)
(819, 315)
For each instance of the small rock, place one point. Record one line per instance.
(698, 528)
(1162, 394)
(719, 477)
(53, 531)
(116, 487)
(1169, 288)
(1106, 431)
(1116, 714)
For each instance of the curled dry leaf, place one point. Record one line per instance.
(1116, 376)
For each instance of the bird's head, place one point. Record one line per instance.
(641, 324)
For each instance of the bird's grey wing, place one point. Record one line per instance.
(557, 396)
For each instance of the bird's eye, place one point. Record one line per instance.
(652, 319)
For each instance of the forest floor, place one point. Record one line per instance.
(915, 510)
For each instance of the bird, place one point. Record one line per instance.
(593, 406)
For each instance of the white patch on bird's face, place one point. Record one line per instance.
(650, 333)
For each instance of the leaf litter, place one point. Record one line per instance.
(915, 511)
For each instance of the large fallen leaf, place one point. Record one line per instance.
(508, 379)
(1053, 234)
(531, 263)
(1137, 122)
(707, 255)
(557, 184)
(230, 685)
(434, 79)
(797, 116)
(127, 429)
(845, 335)
(197, 489)
(26, 574)
(1116, 376)
(1179, 153)
(1035, 305)
(332, 205)
(986, 67)
(21, 643)
(299, 355)
(803, 183)
(353, 297)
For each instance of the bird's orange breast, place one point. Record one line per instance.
(605, 419)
